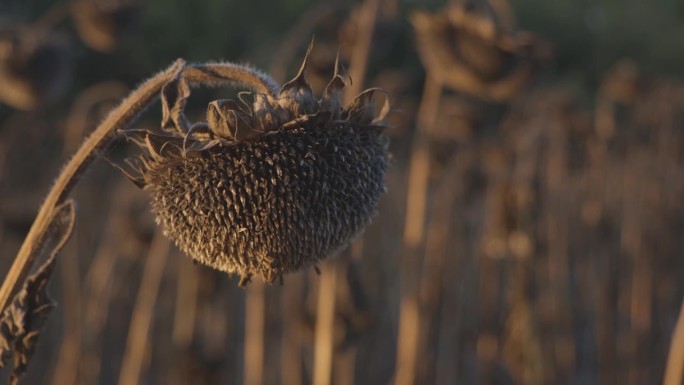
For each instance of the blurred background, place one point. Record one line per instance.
(532, 233)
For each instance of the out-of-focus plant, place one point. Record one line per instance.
(36, 61)
(104, 24)
(466, 48)
(266, 188)
(35, 66)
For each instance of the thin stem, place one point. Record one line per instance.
(292, 333)
(141, 321)
(99, 284)
(255, 321)
(186, 304)
(98, 142)
(414, 234)
(325, 325)
(674, 373)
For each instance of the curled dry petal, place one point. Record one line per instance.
(226, 120)
(174, 95)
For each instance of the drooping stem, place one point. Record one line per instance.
(98, 142)
(209, 74)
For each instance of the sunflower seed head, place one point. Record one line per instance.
(273, 188)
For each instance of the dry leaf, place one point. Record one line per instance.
(22, 322)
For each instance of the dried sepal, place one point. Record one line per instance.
(226, 120)
(333, 93)
(363, 109)
(157, 145)
(22, 321)
(267, 113)
(174, 95)
(270, 185)
(296, 95)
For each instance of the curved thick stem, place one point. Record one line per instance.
(98, 142)
(207, 74)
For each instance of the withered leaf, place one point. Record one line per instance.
(23, 320)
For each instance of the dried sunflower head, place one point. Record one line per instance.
(265, 186)
(35, 66)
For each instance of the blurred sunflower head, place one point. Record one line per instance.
(470, 47)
